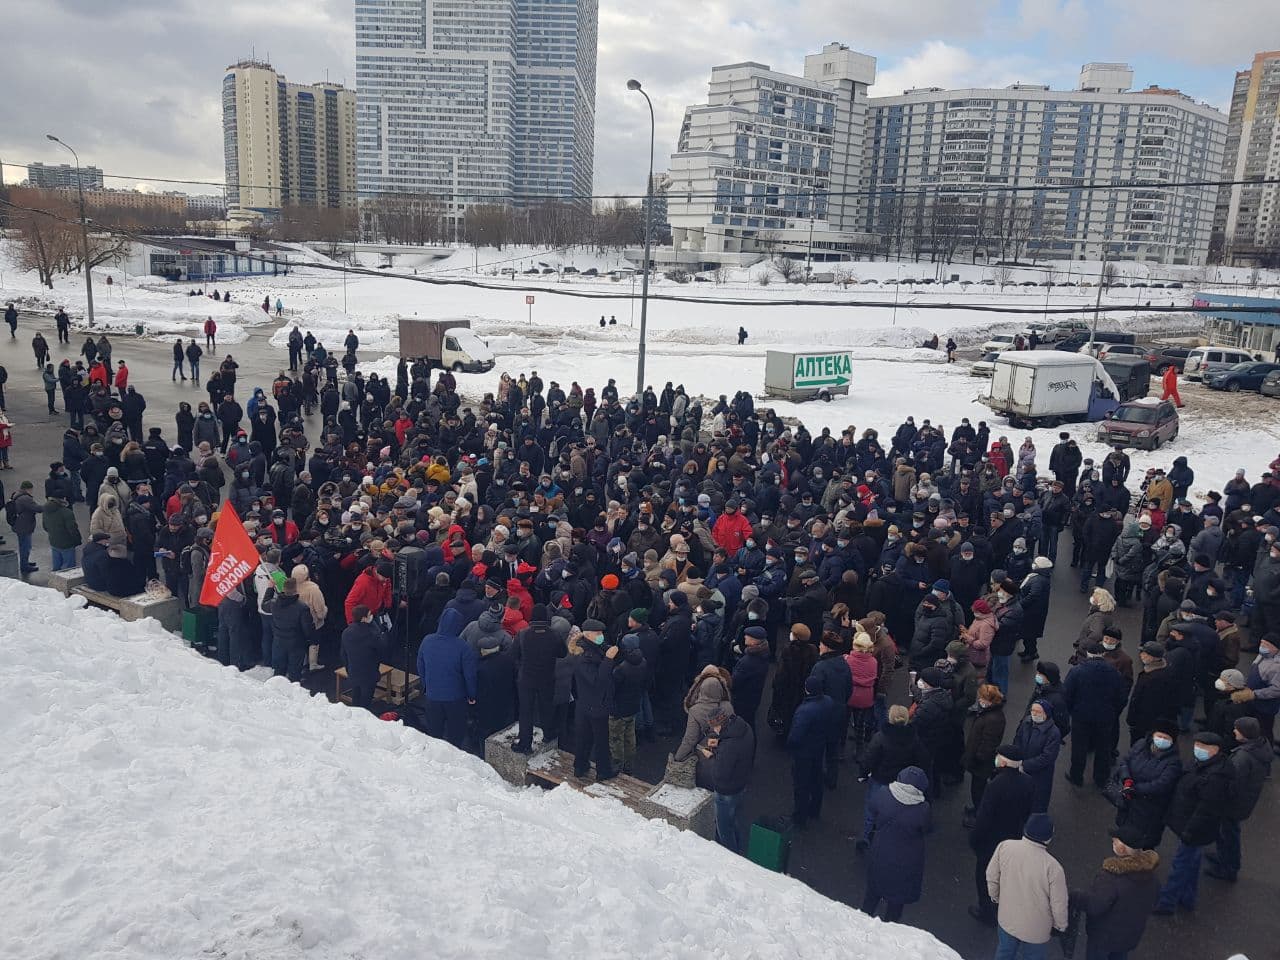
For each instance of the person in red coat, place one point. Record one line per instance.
(98, 374)
(372, 588)
(122, 377)
(1170, 381)
(731, 529)
(283, 531)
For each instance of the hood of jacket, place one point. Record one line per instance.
(1143, 861)
(488, 621)
(450, 624)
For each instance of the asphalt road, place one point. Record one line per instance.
(1230, 918)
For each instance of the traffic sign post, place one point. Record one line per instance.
(529, 302)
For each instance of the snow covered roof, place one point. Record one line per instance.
(1045, 358)
(159, 805)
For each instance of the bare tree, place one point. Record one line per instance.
(720, 275)
(1002, 275)
(845, 276)
(1108, 277)
(788, 270)
(46, 231)
(489, 225)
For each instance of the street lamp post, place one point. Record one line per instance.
(84, 231)
(648, 238)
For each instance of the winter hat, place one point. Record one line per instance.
(966, 547)
(914, 777)
(1154, 649)
(539, 612)
(592, 626)
(750, 592)
(1039, 828)
(1041, 563)
(639, 615)
(1208, 738)
(490, 643)
(609, 582)
(630, 642)
(981, 606)
(1011, 752)
(631, 560)
(755, 633)
(813, 684)
(678, 600)
(1131, 836)
(1249, 727)
(1233, 679)
(957, 649)
(941, 586)
(1051, 671)
(932, 676)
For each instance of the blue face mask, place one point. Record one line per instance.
(1161, 743)
(1201, 753)
(1040, 680)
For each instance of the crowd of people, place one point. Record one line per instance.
(606, 570)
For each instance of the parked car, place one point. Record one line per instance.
(1121, 350)
(1146, 423)
(1270, 384)
(1075, 341)
(1131, 374)
(1162, 358)
(1055, 331)
(1203, 361)
(984, 366)
(1243, 376)
(1000, 341)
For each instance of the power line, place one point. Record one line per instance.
(889, 189)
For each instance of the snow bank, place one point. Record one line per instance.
(157, 805)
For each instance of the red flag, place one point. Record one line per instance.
(232, 559)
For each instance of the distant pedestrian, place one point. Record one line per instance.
(1195, 816)
(279, 307)
(11, 318)
(40, 347)
(210, 335)
(178, 358)
(951, 350)
(742, 335)
(63, 323)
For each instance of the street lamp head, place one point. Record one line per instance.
(50, 136)
(633, 84)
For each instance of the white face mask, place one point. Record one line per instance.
(1220, 685)
(1038, 718)
(1110, 646)
(1003, 597)
(922, 686)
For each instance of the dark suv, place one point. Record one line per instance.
(1162, 358)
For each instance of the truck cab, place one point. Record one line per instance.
(463, 352)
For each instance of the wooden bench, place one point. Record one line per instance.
(166, 610)
(390, 688)
(683, 807)
(64, 581)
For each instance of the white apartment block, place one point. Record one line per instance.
(771, 160)
(476, 101)
(286, 144)
(1247, 222)
(961, 146)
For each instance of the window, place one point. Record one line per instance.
(450, 344)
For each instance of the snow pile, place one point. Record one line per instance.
(157, 805)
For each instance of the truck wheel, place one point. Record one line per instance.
(457, 366)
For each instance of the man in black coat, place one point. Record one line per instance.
(364, 645)
(1200, 801)
(630, 682)
(724, 767)
(1250, 760)
(1002, 814)
(749, 675)
(495, 706)
(537, 648)
(1095, 694)
(292, 630)
(1156, 692)
(1123, 893)
(675, 640)
(836, 682)
(593, 693)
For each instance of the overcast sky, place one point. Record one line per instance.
(134, 85)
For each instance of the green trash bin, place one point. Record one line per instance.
(200, 628)
(769, 844)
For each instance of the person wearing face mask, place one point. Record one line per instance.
(1118, 902)
(1262, 685)
(1250, 760)
(1147, 775)
(1040, 742)
(1095, 694)
(1200, 801)
(1266, 591)
(1128, 555)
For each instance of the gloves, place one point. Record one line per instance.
(1242, 696)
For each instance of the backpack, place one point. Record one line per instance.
(11, 511)
(184, 562)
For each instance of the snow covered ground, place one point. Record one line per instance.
(157, 805)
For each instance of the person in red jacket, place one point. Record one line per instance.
(211, 335)
(732, 529)
(98, 374)
(1170, 381)
(122, 377)
(283, 532)
(372, 588)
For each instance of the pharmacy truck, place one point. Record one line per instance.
(1046, 387)
(445, 344)
(795, 375)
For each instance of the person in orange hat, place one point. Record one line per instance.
(610, 606)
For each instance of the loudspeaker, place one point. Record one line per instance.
(405, 576)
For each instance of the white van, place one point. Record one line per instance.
(1203, 361)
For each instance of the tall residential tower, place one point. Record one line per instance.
(476, 101)
(286, 144)
(1246, 224)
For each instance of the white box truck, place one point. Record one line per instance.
(446, 344)
(1045, 387)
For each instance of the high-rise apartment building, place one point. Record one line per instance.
(950, 151)
(286, 144)
(62, 176)
(476, 101)
(1246, 226)
(772, 159)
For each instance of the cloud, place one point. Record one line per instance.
(136, 86)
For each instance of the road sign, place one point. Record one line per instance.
(799, 375)
(529, 300)
(822, 370)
